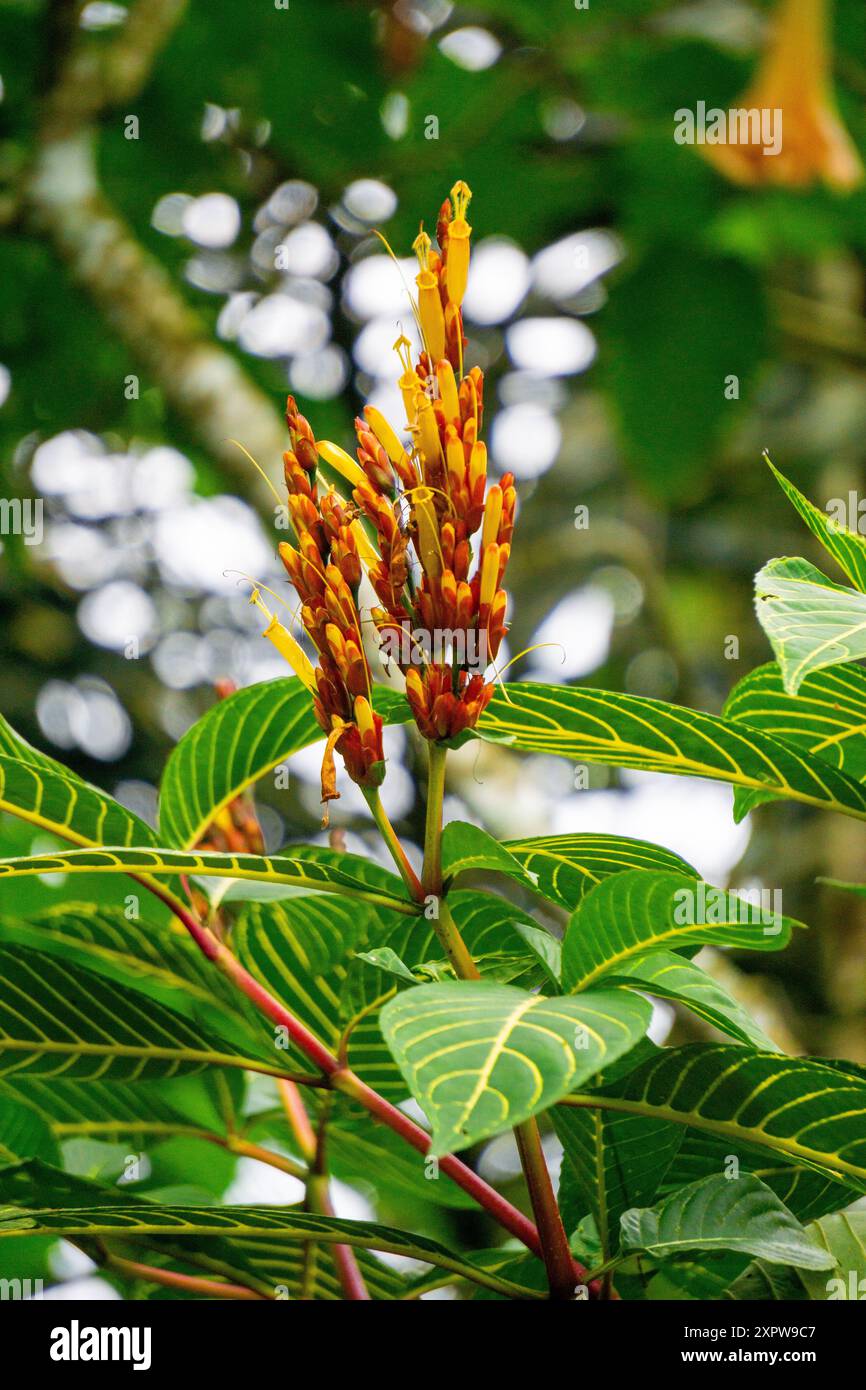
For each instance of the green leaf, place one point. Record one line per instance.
(136, 951)
(630, 731)
(505, 943)
(41, 790)
(610, 1163)
(271, 1267)
(301, 951)
(311, 874)
(24, 1133)
(383, 958)
(847, 547)
(720, 1213)
(806, 1192)
(697, 1277)
(234, 744)
(809, 1113)
(858, 889)
(468, 849)
(151, 960)
(633, 912)
(274, 1226)
(843, 1236)
(480, 1058)
(59, 1019)
(826, 718)
(294, 948)
(810, 621)
(370, 1156)
(565, 867)
(12, 745)
(669, 976)
(364, 871)
(66, 806)
(112, 1110)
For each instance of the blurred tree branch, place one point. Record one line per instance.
(93, 77)
(64, 203)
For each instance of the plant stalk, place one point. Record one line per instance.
(348, 1271)
(555, 1250)
(558, 1260)
(432, 873)
(188, 1283)
(445, 927)
(244, 1149)
(389, 835)
(318, 1190)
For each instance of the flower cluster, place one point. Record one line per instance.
(442, 537)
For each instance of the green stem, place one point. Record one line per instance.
(604, 1271)
(432, 873)
(456, 949)
(555, 1251)
(445, 927)
(244, 1149)
(389, 835)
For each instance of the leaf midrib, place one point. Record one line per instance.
(813, 1159)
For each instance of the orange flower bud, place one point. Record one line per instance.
(427, 431)
(489, 575)
(424, 516)
(454, 456)
(448, 391)
(492, 516)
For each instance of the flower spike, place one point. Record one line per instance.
(423, 525)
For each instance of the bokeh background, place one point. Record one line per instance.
(189, 194)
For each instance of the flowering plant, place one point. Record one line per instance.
(288, 1016)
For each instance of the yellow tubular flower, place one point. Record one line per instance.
(342, 462)
(429, 302)
(386, 436)
(459, 232)
(454, 455)
(478, 463)
(448, 390)
(424, 516)
(337, 646)
(492, 517)
(409, 382)
(489, 575)
(364, 716)
(794, 78)
(426, 430)
(366, 549)
(286, 645)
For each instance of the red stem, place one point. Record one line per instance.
(208, 1288)
(343, 1079)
